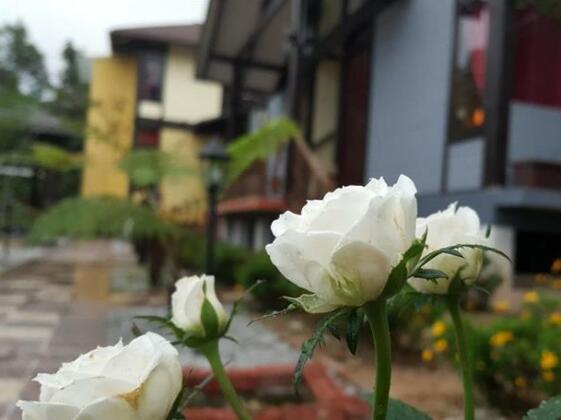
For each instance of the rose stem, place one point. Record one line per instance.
(210, 350)
(378, 319)
(465, 356)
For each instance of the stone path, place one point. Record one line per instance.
(50, 312)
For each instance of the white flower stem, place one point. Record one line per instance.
(210, 350)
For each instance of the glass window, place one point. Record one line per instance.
(151, 75)
(468, 76)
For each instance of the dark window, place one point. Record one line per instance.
(151, 76)
(536, 252)
(468, 74)
(148, 137)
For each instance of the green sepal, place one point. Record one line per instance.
(210, 321)
(311, 344)
(453, 250)
(290, 308)
(401, 272)
(310, 303)
(354, 322)
(429, 274)
(177, 407)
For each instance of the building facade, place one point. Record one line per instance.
(146, 96)
(463, 96)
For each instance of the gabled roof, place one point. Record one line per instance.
(156, 36)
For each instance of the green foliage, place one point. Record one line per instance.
(227, 261)
(398, 410)
(548, 410)
(145, 167)
(87, 218)
(258, 145)
(258, 266)
(517, 359)
(55, 158)
(317, 339)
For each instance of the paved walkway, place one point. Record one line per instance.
(75, 298)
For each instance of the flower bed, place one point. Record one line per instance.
(321, 397)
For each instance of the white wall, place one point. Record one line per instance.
(412, 56)
(185, 98)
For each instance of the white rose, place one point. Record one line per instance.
(139, 381)
(446, 228)
(343, 247)
(188, 307)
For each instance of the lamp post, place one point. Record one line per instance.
(215, 157)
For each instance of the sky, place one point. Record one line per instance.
(87, 23)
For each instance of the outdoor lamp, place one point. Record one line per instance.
(215, 157)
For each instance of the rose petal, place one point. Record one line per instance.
(34, 410)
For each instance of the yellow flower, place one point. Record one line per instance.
(438, 328)
(556, 284)
(556, 266)
(548, 376)
(555, 318)
(549, 360)
(440, 345)
(427, 355)
(501, 338)
(500, 306)
(520, 382)
(531, 297)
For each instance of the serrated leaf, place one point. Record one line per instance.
(274, 314)
(429, 274)
(398, 410)
(353, 329)
(311, 344)
(399, 274)
(237, 303)
(453, 250)
(548, 410)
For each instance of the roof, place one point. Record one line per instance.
(181, 35)
(251, 34)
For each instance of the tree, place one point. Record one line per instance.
(22, 67)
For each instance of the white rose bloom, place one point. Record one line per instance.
(342, 248)
(446, 228)
(139, 381)
(187, 306)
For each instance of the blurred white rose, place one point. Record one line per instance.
(343, 247)
(139, 381)
(189, 311)
(446, 228)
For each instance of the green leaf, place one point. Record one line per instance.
(274, 314)
(453, 250)
(548, 410)
(398, 410)
(311, 344)
(399, 274)
(429, 274)
(353, 328)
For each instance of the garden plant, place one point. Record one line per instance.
(355, 252)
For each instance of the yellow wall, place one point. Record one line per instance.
(326, 109)
(187, 99)
(183, 196)
(110, 125)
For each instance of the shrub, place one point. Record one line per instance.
(227, 261)
(259, 267)
(517, 359)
